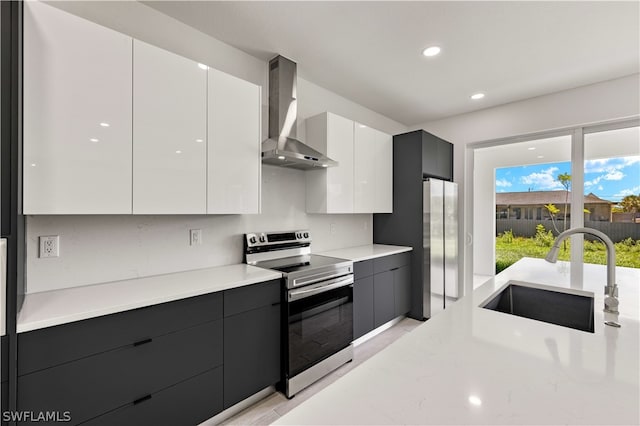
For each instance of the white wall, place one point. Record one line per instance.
(96, 249)
(600, 102)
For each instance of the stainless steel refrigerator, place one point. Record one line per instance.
(440, 244)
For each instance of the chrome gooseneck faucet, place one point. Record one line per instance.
(611, 290)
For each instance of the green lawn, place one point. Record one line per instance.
(510, 249)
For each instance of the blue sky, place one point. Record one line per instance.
(610, 178)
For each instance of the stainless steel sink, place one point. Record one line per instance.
(543, 304)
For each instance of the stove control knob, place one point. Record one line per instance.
(263, 239)
(306, 235)
(252, 240)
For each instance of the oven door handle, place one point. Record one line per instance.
(301, 294)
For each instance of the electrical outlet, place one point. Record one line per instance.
(195, 237)
(50, 246)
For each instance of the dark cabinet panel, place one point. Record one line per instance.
(251, 352)
(393, 261)
(4, 368)
(402, 290)
(96, 384)
(51, 346)
(437, 157)
(383, 298)
(187, 403)
(249, 297)
(362, 269)
(362, 306)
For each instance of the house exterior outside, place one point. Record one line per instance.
(530, 206)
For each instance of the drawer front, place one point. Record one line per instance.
(51, 346)
(362, 269)
(188, 403)
(388, 263)
(94, 385)
(250, 297)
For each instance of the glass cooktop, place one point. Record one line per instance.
(299, 263)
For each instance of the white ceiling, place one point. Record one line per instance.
(370, 52)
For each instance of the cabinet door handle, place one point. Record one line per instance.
(143, 342)
(395, 269)
(275, 304)
(141, 400)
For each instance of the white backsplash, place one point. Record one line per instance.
(96, 249)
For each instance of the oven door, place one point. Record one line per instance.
(320, 322)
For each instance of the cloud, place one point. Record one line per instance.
(503, 182)
(614, 175)
(600, 188)
(605, 165)
(625, 192)
(544, 180)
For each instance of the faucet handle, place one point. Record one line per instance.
(611, 304)
(611, 290)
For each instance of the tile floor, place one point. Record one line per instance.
(276, 405)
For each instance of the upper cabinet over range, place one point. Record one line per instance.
(113, 125)
(363, 180)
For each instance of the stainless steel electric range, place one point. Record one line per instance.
(318, 294)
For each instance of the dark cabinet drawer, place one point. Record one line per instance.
(251, 352)
(94, 385)
(187, 403)
(4, 368)
(48, 347)
(362, 269)
(387, 263)
(250, 297)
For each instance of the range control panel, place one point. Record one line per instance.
(258, 239)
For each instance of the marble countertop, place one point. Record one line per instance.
(470, 365)
(366, 252)
(57, 307)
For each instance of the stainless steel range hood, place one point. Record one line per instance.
(282, 148)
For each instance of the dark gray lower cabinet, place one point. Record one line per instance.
(251, 352)
(174, 363)
(362, 306)
(187, 403)
(381, 292)
(402, 289)
(383, 298)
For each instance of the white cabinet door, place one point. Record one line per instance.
(77, 115)
(234, 153)
(365, 150)
(340, 179)
(383, 167)
(331, 190)
(169, 133)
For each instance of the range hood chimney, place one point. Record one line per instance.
(282, 148)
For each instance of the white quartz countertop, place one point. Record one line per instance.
(57, 307)
(470, 365)
(369, 251)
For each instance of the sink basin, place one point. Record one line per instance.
(543, 304)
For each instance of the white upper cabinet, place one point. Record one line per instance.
(234, 151)
(331, 190)
(383, 172)
(77, 115)
(365, 149)
(169, 133)
(363, 180)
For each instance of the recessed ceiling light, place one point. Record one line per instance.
(477, 96)
(474, 400)
(431, 51)
(104, 124)
(199, 140)
(33, 164)
(362, 126)
(324, 165)
(178, 152)
(94, 140)
(280, 157)
(203, 67)
(531, 148)
(540, 156)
